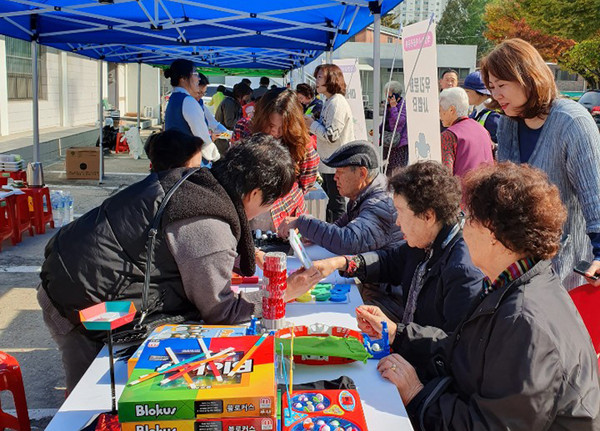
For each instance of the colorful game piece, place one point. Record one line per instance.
(308, 424)
(307, 297)
(322, 296)
(338, 297)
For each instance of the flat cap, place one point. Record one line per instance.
(355, 153)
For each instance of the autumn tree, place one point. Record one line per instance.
(572, 19)
(565, 31)
(506, 19)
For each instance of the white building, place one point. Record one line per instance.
(68, 93)
(411, 11)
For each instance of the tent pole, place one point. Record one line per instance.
(139, 95)
(35, 105)
(377, 80)
(101, 121)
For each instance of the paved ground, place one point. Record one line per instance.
(22, 331)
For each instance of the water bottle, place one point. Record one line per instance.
(57, 208)
(67, 208)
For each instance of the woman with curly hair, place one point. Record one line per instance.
(279, 114)
(555, 135)
(522, 358)
(431, 277)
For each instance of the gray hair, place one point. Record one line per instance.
(393, 87)
(456, 97)
(371, 173)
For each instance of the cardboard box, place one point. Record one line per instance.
(250, 393)
(83, 163)
(164, 332)
(225, 424)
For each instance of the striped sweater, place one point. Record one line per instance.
(568, 150)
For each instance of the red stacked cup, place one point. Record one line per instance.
(274, 285)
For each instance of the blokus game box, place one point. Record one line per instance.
(224, 424)
(248, 393)
(331, 409)
(185, 331)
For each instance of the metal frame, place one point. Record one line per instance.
(288, 48)
(167, 15)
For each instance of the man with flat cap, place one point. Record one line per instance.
(370, 220)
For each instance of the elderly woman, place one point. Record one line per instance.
(395, 134)
(431, 276)
(555, 135)
(522, 358)
(465, 143)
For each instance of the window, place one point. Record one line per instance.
(19, 71)
(563, 75)
(390, 39)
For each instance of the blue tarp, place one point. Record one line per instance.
(273, 34)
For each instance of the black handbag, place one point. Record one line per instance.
(139, 330)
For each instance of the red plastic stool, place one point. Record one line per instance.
(121, 147)
(15, 175)
(21, 217)
(12, 380)
(40, 216)
(6, 221)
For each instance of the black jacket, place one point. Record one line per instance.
(102, 255)
(451, 280)
(521, 360)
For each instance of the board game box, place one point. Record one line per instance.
(185, 331)
(248, 392)
(225, 424)
(333, 409)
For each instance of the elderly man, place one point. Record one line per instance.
(449, 79)
(369, 222)
(465, 143)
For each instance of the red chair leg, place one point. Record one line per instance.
(11, 380)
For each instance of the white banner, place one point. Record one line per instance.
(422, 94)
(349, 68)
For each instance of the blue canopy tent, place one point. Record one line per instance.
(282, 34)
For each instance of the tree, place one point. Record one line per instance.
(462, 24)
(571, 19)
(390, 20)
(505, 19)
(584, 59)
(565, 31)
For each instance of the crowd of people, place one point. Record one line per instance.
(468, 261)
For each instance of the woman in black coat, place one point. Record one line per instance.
(429, 278)
(522, 358)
